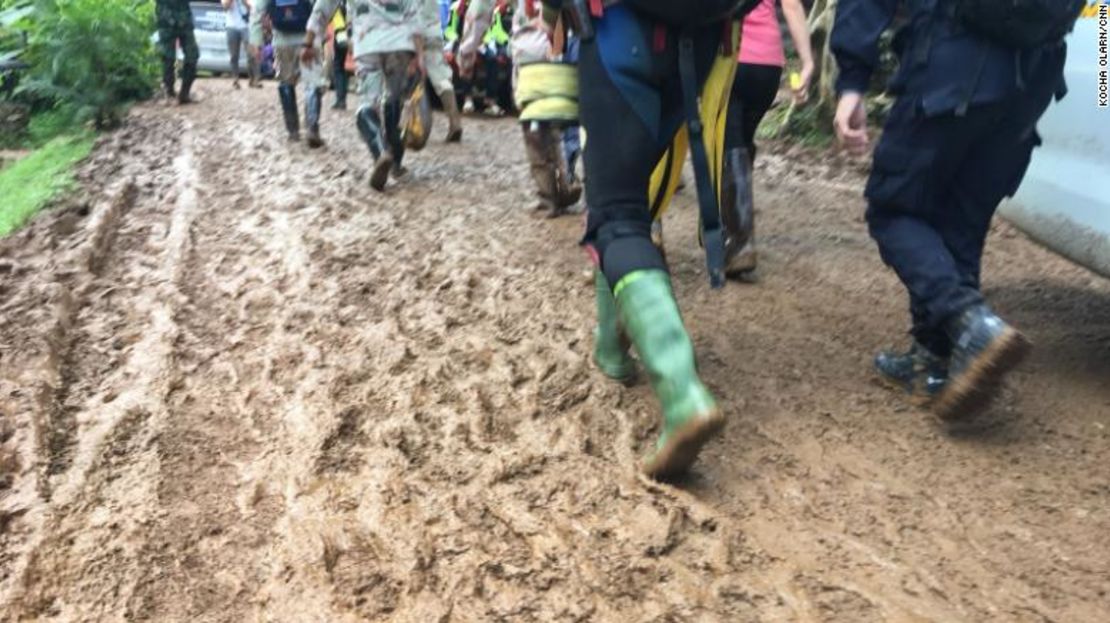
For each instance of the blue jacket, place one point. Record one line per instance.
(942, 65)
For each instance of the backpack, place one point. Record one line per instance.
(290, 15)
(692, 12)
(1019, 23)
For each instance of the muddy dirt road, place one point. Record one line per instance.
(237, 385)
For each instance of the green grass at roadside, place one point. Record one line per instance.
(27, 185)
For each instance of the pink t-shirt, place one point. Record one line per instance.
(761, 39)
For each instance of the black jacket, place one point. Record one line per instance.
(942, 65)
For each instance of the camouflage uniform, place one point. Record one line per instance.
(384, 35)
(175, 25)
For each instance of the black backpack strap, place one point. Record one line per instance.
(712, 235)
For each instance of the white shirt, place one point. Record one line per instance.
(236, 15)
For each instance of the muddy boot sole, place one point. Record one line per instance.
(380, 174)
(976, 388)
(682, 449)
(907, 393)
(742, 264)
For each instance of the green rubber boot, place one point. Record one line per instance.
(610, 347)
(649, 315)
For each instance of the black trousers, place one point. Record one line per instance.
(934, 187)
(630, 104)
(753, 92)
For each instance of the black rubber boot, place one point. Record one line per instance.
(370, 127)
(392, 113)
(169, 69)
(918, 372)
(984, 350)
(288, 95)
(312, 118)
(738, 213)
(188, 76)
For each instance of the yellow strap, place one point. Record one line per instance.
(714, 115)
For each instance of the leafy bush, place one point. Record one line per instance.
(91, 57)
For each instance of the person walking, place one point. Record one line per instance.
(389, 54)
(341, 46)
(974, 78)
(175, 27)
(237, 16)
(530, 43)
(289, 19)
(761, 61)
(439, 72)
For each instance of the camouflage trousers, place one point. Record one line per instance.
(382, 77)
(169, 36)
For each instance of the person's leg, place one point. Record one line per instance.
(754, 90)
(287, 58)
(915, 208)
(368, 119)
(398, 87)
(339, 77)
(234, 45)
(572, 150)
(493, 84)
(167, 45)
(984, 347)
(254, 62)
(439, 75)
(189, 67)
(625, 129)
(541, 146)
(916, 159)
(313, 82)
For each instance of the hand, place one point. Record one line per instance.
(801, 94)
(850, 123)
(465, 63)
(308, 54)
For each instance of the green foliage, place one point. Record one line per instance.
(48, 125)
(808, 125)
(31, 182)
(92, 57)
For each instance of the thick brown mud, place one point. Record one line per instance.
(238, 385)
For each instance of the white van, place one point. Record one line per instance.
(1064, 201)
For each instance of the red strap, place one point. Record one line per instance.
(596, 8)
(530, 8)
(659, 41)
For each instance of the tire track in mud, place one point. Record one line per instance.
(315, 402)
(99, 490)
